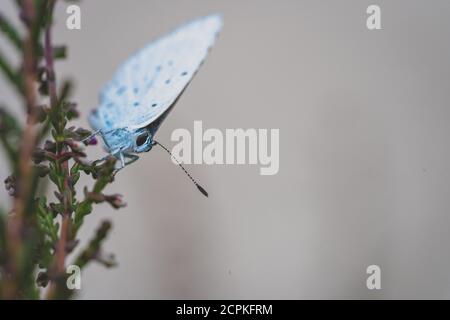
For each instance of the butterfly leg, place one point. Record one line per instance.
(101, 159)
(132, 158)
(93, 134)
(121, 158)
(123, 162)
(118, 156)
(125, 155)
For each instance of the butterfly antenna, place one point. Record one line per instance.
(199, 187)
(88, 138)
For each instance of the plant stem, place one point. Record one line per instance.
(66, 191)
(35, 240)
(25, 170)
(48, 53)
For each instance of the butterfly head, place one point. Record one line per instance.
(143, 140)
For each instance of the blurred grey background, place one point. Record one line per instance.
(364, 155)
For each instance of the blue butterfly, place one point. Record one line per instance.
(147, 86)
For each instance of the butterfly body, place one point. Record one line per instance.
(147, 86)
(127, 140)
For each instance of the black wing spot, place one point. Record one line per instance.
(121, 90)
(184, 73)
(136, 104)
(167, 81)
(154, 105)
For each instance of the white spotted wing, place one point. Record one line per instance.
(150, 81)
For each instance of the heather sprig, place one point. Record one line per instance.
(38, 233)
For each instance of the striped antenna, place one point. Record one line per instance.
(199, 187)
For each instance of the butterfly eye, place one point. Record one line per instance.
(141, 139)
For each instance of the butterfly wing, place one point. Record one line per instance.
(150, 82)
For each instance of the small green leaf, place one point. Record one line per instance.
(81, 210)
(10, 133)
(10, 31)
(60, 52)
(75, 178)
(75, 169)
(45, 219)
(91, 252)
(10, 74)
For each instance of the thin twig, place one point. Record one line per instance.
(28, 141)
(67, 197)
